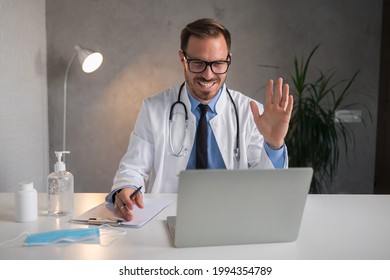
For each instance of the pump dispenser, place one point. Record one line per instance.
(60, 189)
(60, 165)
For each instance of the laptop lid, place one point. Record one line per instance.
(229, 207)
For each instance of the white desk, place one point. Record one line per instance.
(333, 227)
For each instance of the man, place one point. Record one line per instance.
(236, 138)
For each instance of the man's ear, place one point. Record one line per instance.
(181, 56)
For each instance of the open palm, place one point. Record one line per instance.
(273, 123)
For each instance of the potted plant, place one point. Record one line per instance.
(315, 137)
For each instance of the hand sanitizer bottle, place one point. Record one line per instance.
(60, 189)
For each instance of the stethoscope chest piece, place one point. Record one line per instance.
(177, 121)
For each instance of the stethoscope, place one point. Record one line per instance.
(179, 102)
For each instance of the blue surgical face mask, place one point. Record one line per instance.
(76, 235)
(65, 235)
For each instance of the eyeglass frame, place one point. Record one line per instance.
(207, 63)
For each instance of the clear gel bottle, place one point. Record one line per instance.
(60, 189)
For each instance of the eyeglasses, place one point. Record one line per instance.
(198, 66)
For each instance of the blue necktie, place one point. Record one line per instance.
(201, 138)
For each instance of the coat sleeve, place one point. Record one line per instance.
(134, 167)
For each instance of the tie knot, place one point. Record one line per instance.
(203, 109)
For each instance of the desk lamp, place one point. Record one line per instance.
(90, 61)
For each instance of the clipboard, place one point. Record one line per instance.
(104, 214)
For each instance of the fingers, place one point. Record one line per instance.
(139, 200)
(269, 93)
(290, 105)
(285, 97)
(123, 212)
(122, 199)
(281, 96)
(124, 205)
(278, 91)
(255, 110)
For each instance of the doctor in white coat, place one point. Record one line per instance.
(241, 132)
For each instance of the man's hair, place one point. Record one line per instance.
(204, 28)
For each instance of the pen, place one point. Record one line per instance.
(135, 193)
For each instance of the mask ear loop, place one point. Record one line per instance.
(8, 243)
(114, 233)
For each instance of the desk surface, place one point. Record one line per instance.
(333, 227)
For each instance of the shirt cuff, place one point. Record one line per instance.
(277, 157)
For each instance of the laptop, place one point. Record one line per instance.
(231, 207)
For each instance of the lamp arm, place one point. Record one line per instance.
(65, 94)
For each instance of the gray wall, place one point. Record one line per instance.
(23, 94)
(140, 41)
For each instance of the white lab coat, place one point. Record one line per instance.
(148, 161)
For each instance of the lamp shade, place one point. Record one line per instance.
(89, 60)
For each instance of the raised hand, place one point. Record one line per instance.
(273, 123)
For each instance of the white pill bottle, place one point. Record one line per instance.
(26, 203)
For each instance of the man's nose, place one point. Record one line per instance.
(208, 73)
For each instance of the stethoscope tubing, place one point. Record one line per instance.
(179, 102)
